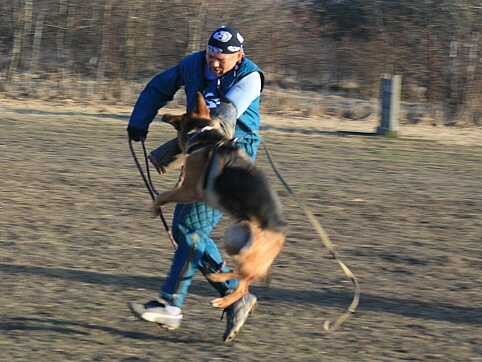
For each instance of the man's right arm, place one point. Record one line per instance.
(158, 92)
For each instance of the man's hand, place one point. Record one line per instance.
(136, 134)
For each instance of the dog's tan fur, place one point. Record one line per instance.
(252, 247)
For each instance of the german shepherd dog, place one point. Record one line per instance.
(223, 175)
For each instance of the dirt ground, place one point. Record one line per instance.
(77, 243)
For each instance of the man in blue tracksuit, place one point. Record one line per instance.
(232, 86)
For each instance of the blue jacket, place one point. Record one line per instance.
(190, 74)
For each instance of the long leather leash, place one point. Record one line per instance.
(150, 186)
(329, 325)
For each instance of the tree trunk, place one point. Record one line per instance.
(104, 48)
(23, 25)
(64, 45)
(196, 26)
(130, 42)
(37, 39)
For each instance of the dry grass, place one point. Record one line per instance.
(53, 87)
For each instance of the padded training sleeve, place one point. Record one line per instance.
(245, 91)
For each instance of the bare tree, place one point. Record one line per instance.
(23, 25)
(37, 38)
(64, 36)
(104, 47)
(196, 26)
(310, 45)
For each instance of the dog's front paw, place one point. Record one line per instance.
(218, 303)
(225, 301)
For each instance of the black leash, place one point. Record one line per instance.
(150, 187)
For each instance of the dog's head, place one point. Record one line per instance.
(189, 123)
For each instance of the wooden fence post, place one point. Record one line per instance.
(390, 105)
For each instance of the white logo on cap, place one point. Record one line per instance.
(233, 49)
(222, 36)
(240, 38)
(214, 49)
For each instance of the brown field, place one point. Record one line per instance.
(77, 243)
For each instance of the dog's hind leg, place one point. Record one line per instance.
(229, 299)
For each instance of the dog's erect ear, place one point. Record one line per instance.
(175, 121)
(201, 106)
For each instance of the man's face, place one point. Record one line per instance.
(220, 64)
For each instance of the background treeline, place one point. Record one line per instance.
(108, 49)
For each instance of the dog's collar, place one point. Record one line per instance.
(191, 142)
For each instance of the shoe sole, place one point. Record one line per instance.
(235, 333)
(154, 318)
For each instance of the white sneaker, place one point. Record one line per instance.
(158, 311)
